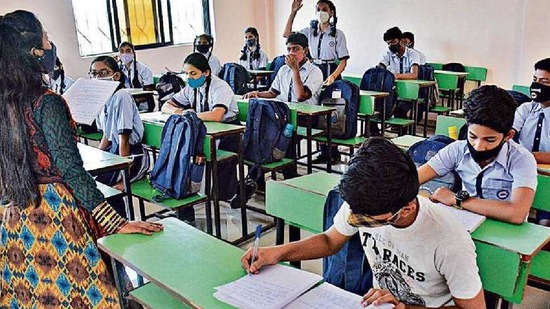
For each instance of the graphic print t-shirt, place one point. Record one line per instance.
(424, 264)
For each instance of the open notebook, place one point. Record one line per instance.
(468, 219)
(281, 286)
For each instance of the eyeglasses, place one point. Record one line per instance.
(101, 73)
(360, 220)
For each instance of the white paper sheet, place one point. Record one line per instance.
(154, 117)
(87, 97)
(327, 296)
(468, 219)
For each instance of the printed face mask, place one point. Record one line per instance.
(126, 58)
(540, 93)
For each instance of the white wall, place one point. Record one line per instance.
(507, 37)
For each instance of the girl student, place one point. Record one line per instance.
(328, 44)
(137, 74)
(60, 81)
(252, 56)
(213, 100)
(204, 44)
(121, 125)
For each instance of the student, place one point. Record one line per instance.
(252, 56)
(121, 126)
(532, 120)
(499, 176)
(60, 82)
(329, 44)
(204, 44)
(213, 100)
(407, 39)
(46, 194)
(298, 80)
(137, 74)
(419, 255)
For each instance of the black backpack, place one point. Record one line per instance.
(236, 76)
(276, 64)
(380, 79)
(169, 84)
(344, 119)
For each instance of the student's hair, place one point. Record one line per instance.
(207, 37)
(298, 39)
(543, 64)
(332, 7)
(61, 74)
(255, 54)
(492, 107)
(408, 35)
(113, 65)
(381, 178)
(21, 85)
(393, 33)
(135, 81)
(200, 62)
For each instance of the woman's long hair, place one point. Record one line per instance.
(21, 84)
(256, 53)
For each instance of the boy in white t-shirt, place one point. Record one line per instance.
(420, 256)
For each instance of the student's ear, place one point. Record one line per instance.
(409, 209)
(207, 73)
(116, 76)
(510, 135)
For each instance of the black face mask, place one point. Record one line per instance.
(48, 61)
(203, 49)
(56, 74)
(251, 42)
(480, 156)
(394, 48)
(540, 93)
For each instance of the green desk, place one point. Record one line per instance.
(409, 89)
(449, 81)
(97, 162)
(214, 132)
(367, 105)
(504, 250)
(180, 260)
(526, 90)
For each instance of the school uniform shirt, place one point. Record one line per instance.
(214, 63)
(325, 46)
(219, 95)
(56, 84)
(401, 65)
(311, 77)
(421, 57)
(120, 115)
(514, 167)
(254, 64)
(145, 75)
(424, 264)
(526, 121)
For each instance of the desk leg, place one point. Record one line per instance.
(215, 188)
(242, 192)
(415, 115)
(128, 189)
(118, 282)
(208, 204)
(294, 235)
(383, 120)
(280, 234)
(427, 109)
(329, 143)
(309, 138)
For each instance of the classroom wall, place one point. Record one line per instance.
(231, 18)
(507, 37)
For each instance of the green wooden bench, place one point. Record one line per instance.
(153, 297)
(540, 264)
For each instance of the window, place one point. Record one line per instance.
(102, 25)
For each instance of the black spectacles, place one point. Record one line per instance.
(101, 73)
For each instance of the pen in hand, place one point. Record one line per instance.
(255, 246)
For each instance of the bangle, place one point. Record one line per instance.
(108, 218)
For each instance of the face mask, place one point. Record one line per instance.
(126, 58)
(56, 74)
(196, 82)
(322, 17)
(480, 156)
(394, 48)
(540, 93)
(48, 61)
(203, 49)
(110, 78)
(251, 42)
(359, 220)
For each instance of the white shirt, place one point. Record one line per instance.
(214, 63)
(56, 85)
(526, 121)
(219, 95)
(401, 65)
(254, 64)
(331, 47)
(311, 77)
(421, 56)
(145, 75)
(120, 115)
(424, 264)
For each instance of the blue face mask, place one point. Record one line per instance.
(196, 82)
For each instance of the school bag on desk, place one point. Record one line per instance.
(169, 84)
(380, 79)
(179, 169)
(236, 76)
(344, 96)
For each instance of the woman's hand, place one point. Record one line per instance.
(296, 6)
(140, 227)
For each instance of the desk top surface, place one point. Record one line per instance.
(376, 94)
(212, 128)
(318, 183)
(260, 72)
(302, 108)
(421, 83)
(95, 159)
(182, 260)
(459, 74)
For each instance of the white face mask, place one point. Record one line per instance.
(126, 58)
(322, 17)
(110, 78)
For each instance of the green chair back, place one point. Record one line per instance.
(437, 66)
(542, 195)
(523, 89)
(353, 79)
(366, 105)
(406, 90)
(443, 123)
(152, 134)
(478, 74)
(446, 81)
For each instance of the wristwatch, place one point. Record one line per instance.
(460, 197)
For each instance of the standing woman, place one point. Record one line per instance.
(204, 44)
(137, 74)
(327, 44)
(252, 56)
(48, 256)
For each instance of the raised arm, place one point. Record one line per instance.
(296, 6)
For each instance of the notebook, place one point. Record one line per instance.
(468, 219)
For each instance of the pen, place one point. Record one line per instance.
(256, 244)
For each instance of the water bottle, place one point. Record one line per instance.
(283, 142)
(453, 132)
(287, 132)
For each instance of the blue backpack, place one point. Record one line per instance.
(179, 168)
(344, 119)
(380, 79)
(264, 141)
(348, 268)
(236, 76)
(421, 152)
(276, 64)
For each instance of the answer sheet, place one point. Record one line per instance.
(87, 97)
